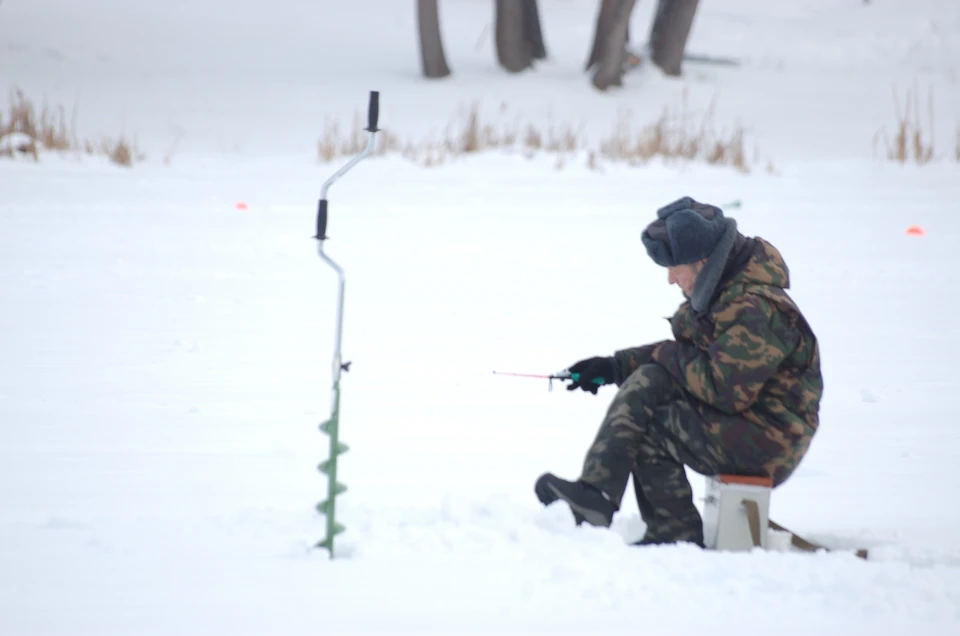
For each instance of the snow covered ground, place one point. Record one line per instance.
(165, 356)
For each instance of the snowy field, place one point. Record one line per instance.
(165, 356)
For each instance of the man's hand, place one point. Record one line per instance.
(592, 373)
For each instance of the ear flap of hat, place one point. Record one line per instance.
(656, 239)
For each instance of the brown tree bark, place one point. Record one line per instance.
(609, 67)
(668, 35)
(513, 50)
(432, 58)
(519, 38)
(601, 31)
(532, 31)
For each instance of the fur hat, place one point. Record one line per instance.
(685, 232)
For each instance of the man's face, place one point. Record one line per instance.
(684, 276)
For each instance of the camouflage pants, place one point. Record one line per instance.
(652, 430)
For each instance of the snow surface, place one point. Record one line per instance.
(166, 356)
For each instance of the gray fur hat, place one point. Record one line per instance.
(685, 232)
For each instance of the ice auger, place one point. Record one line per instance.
(331, 427)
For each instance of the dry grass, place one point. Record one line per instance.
(25, 130)
(910, 142)
(672, 137)
(471, 136)
(336, 143)
(122, 152)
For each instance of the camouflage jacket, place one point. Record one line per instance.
(751, 353)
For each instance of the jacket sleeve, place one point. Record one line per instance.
(747, 350)
(629, 360)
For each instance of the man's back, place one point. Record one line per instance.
(764, 359)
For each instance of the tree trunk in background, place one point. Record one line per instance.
(532, 31)
(514, 51)
(601, 31)
(668, 35)
(609, 70)
(433, 60)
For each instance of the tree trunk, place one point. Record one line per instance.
(514, 51)
(532, 31)
(433, 60)
(601, 31)
(668, 35)
(609, 71)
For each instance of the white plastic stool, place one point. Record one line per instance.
(736, 512)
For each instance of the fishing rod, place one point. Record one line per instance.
(559, 375)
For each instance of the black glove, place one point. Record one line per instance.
(592, 373)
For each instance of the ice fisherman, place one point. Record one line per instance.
(737, 390)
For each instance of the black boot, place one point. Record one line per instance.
(587, 502)
(647, 540)
(694, 538)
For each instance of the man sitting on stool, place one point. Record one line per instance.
(736, 391)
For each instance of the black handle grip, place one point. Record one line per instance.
(321, 220)
(373, 113)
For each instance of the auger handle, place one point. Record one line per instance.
(321, 220)
(373, 112)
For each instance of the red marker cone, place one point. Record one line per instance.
(915, 230)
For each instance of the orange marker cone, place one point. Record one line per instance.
(242, 206)
(915, 230)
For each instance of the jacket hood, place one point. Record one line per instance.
(765, 267)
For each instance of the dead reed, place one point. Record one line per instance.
(910, 142)
(674, 136)
(27, 130)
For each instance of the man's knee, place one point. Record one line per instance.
(649, 380)
(645, 391)
(640, 397)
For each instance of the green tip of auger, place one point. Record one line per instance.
(327, 544)
(333, 530)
